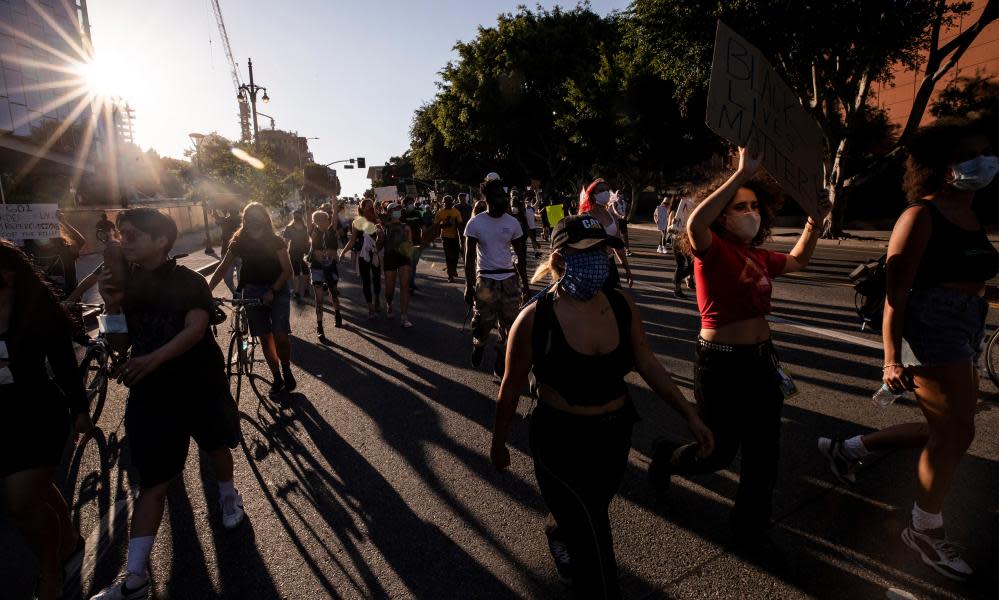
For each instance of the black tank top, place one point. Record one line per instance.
(581, 379)
(954, 254)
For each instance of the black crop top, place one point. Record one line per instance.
(581, 379)
(954, 254)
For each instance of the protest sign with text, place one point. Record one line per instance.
(29, 221)
(750, 105)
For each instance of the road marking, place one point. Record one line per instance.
(897, 594)
(838, 335)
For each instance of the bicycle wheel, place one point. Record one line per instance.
(94, 371)
(992, 358)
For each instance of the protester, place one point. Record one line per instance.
(618, 208)
(398, 249)
(35, 334)
(480, 207)
(104, 228)
(178, 388)
(738, 380)
(661, 217)
(520, 244)
(939, 259)
(323, 265)
(297, 234)
(367, 233)
(264, 273)
(228, 220)
(594, 200)
(531, 216)
(56, 257)
(491, 285)
(465, 209)
(580, 340)
(447, 221)
(679, 210)
(413, 219)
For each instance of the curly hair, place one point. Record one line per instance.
(768, 194)
(932, 150)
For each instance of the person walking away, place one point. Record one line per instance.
(520, 245)
(465, 209)
(492, 288)
(367, 234)
(413, 219)
(323, 265)
(939, 260)
(618, 207)
(35, 334)
(739, 383)
(447, 221)
(580, 339)
(176, 380)
(104, 228)
(531, 216)
(398, 249)
(679, 211)
(661, 217)
(264, 274)
(228, 220)
(297, 234)
(594, 200)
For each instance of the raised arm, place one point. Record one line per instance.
(707, 212)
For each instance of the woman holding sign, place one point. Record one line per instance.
(739, 383)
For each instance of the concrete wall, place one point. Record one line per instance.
(188, 215)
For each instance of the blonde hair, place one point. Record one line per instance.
(548, 268)
(320, 214)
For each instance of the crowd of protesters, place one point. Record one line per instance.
(584, 320)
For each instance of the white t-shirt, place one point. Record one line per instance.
(680, 218)
(532, 223)
(662, 217)
(492, 251)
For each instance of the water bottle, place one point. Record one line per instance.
(884, 396)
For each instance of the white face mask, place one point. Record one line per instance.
(744, 226)
(975, 174)
(602, 198)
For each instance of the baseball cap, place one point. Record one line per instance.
(491, 176)
(582, 232)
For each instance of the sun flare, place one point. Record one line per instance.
(102, 77)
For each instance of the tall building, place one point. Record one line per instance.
(46, 109)
(980, 60)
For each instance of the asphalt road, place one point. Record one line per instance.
(372, 480)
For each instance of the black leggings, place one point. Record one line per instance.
(370, 275)
(739, 398)
(579, 463)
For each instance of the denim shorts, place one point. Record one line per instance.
(942, 326)
(325, 276)
(264, 319)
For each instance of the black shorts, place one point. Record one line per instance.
(35, 429)
(160, 423)
(298, 265)
(394, 260)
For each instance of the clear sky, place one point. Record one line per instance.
(350, 72)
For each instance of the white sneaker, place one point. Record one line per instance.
(127, 586)
(842, 467)
(232, 510)
(936, 551)
(659, 250)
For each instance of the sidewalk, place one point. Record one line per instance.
(192, 244)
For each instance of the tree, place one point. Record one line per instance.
(966, 95)
(830, 52)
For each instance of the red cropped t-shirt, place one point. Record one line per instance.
(734, 281)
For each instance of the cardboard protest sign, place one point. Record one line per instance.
(389, 192)
(750, 105)
(29, 221)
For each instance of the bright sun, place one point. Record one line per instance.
(102, 77)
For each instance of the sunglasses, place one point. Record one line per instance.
(129, 235)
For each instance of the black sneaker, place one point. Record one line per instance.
(476, 358)
(276, 388)
(320, 331)
(289, 380)
(842, 467)
(933, 547)
(560, 554)
(678, 292)
(337, 319)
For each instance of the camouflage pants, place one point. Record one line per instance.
(496, 301)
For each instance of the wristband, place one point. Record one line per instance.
(112, 324)
(889, 365)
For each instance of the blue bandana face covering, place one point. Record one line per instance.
(585, 273)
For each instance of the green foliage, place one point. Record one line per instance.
(219, 170)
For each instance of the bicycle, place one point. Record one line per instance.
(242, 346)
(99, 364)
(992, 353)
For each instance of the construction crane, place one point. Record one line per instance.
(244, 106)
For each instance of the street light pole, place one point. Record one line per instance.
(251, 91)
(197, 138)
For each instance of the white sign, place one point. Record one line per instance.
(29, 221)
(388, 192)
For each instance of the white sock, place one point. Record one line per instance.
(923, 520)
(226, 488)
(854, 448)
(138, 555)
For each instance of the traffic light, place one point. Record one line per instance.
(360, 162)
